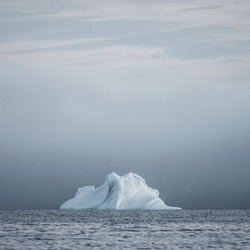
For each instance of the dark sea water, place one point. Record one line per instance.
(93, 229)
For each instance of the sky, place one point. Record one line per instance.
(158, 88)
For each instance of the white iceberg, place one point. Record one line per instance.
(129, 191)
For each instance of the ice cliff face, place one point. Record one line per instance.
(118, 192)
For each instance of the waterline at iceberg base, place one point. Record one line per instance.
(129, 191)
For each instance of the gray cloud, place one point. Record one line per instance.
(204, 8)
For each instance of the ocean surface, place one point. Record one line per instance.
(93, 229)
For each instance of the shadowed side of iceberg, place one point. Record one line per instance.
(118, 192)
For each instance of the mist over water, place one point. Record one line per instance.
(190, 143)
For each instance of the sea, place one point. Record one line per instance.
(125, 229)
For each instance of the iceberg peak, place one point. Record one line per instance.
(129, 191)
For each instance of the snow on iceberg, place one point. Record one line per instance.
(129, 191)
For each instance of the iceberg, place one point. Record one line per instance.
(129, 191)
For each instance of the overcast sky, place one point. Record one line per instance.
(159, 88)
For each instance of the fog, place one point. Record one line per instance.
(158, 95)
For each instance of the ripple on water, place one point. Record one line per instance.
(196, 229)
